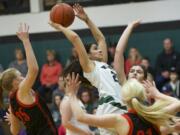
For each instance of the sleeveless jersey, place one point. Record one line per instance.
(36, 117)
(75, 122)
(104, 78)
(139, 126)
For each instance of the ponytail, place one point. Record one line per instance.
(133, 94)
(155, 113)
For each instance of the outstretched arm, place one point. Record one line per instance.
(27, 83)
(105, 121)
(97, 34)
(86, 63)
(120, 49)
(153, 93)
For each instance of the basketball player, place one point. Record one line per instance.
(141, 118)
(137, 71)
(93, 62)
(73, 127)
(25, 104)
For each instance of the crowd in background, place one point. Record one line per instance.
(51, 87)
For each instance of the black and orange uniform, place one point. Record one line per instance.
(139, 126)
(36, 117)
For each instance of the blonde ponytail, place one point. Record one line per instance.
(155, 113)
(133, 94)
(6, 79)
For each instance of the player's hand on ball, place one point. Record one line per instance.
(56, 25)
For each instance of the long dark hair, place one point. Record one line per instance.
(88, 47)
(77, 69)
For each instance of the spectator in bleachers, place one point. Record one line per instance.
(173, 86)
(1, 68)
(167, 59)
(49, 76)
(20, 62)
(73, 57)
(146, 63)
(86, 96)
(134, 58)
(55, 109)
(60, 89)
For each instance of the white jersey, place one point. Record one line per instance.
(104, 78)
(75, 122)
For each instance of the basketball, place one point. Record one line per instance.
(62, 14)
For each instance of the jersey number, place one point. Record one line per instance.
(141, 132)
(114, 75)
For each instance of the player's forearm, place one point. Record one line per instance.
(99, 37)
(119, 54)
(162, 96)
(97, 34)
(122, 43)
(31, 59)
(15, 127)
(174, 107)
(72, 37)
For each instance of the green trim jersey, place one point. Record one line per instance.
(104, 78)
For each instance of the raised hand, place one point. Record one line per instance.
(151, 89)
(8, 116)
(72, 83)
(23, 32)
(80, 13)
(135, 23)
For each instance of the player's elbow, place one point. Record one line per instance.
(34, 70)
(74, 37)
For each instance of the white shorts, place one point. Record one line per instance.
(109, 108)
